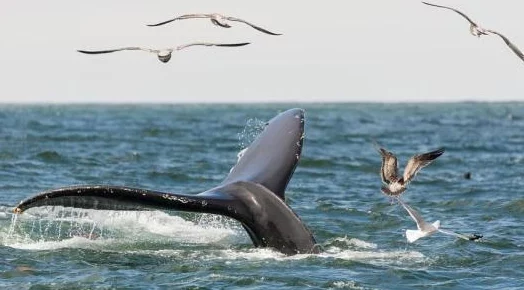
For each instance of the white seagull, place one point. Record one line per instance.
(396, 185)
(425, 229)
(164, 55)
(474, 28)
(216, 19)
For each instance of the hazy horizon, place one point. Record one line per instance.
(264, 103)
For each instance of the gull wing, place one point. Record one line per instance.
(453, 9)
(187, 16)
(417, 162)
(421, 224)
(512, 46)
(252, 25)
(116, 49)
(211, 44)
(389, 168)
(461, 236)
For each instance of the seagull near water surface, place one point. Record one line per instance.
(164, 55)
(396, 185)
(476, 30)
(425, 229)
(216, 19)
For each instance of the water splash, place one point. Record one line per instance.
(14, 218)
(351, 243)
(252, 129)
(55, 227)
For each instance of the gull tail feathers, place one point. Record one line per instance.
(388, 192)
(413, 235)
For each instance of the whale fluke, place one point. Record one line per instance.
(253, 193)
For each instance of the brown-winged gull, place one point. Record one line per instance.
(396, 185)
(512, 46)
(474, 28)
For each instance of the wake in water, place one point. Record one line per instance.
(157, 233)
(343, 248)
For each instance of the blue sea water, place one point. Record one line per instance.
(335, 190)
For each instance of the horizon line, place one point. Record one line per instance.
(252, 102)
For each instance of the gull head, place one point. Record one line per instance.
(475, 237)
(164, 56)
(219, 20)
(477, 30)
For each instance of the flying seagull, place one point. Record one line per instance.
(216, 19)
(474, 28)
(425, 229)
(512, 46)
(478, 31)
(396, 185)
(164, 55)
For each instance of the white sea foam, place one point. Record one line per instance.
(174, 227)
(130, 227)
(358, 250)
(374, 257)
(226, 255)
(74, 242)
(353, 242)
(346, 285)
(127, 226)
(251, 254)
(379, 256)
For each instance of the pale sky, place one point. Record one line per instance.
(338, 50)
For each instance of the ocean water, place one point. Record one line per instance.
(335, 190)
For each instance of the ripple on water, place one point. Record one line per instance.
(515, 207)
(49, 156)
(335, 190)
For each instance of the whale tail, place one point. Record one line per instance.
(252, 193)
